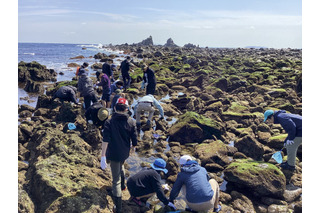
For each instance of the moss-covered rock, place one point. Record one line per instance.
(193, 127)
(64, 168)
(263, 179)
(35, 72)
(210, 148)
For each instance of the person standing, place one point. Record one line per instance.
(149, 80)
(85, 87)
(107, 69)
(119, 136)
(105, 83)
(292, 124)
(82, 69)
(125, 68)
(147, 182)
(201, 193)
(145, 104)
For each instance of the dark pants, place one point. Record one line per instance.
(151, 89)
(126, 80)
(88, 98)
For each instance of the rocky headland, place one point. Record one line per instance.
(213, 100)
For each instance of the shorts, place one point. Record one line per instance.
(105, 96)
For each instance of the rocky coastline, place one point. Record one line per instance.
(213, 100)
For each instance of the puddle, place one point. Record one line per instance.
(223, 186)
(167, 97)
(231, 143)
(180, 93)
(173, 120)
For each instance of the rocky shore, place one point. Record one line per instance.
(213, 100)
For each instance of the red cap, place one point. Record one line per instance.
(122, 101)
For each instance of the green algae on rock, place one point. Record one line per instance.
(264, 179)
(193, 127)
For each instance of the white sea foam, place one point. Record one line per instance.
(29, 53)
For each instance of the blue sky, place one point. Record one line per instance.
(213, 23)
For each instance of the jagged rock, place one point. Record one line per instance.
(35, 72)
(189, 45)
(147, 42)
(170, 43)
(264, 179)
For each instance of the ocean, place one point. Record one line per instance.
(57, 56)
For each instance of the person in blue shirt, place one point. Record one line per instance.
(201, 193)
(146, 104)
(292, 124)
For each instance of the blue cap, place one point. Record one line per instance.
(160, 164)
(267, 114)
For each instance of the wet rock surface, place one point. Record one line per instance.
(213, 101)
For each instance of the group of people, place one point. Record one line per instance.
(120, 138)
(120, 134)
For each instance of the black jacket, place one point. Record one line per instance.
(125, 67)
(92, 114)
(145, 182)
(66, 92)
(119, 131)
(149, 77)
(106, 68)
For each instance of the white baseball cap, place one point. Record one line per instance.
(184, 159)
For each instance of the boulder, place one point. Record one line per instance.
(250, 147)
(35, 72)
(263, 179)
(65, 176)
(192, 127)
(209, 149)
(241, 202)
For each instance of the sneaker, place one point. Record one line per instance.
(286, 166)
(217, 209)
(190, 210)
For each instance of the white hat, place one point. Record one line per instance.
(184, 159)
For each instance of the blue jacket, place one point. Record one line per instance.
(196, 180)
(290, 122)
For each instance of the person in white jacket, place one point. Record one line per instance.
(146, 104)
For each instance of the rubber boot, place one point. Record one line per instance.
(138, 128)
(123, 184)
(118, 205)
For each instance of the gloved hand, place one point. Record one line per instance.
(103, 163)
(172, 205)
(290, 142)
(90, 121)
